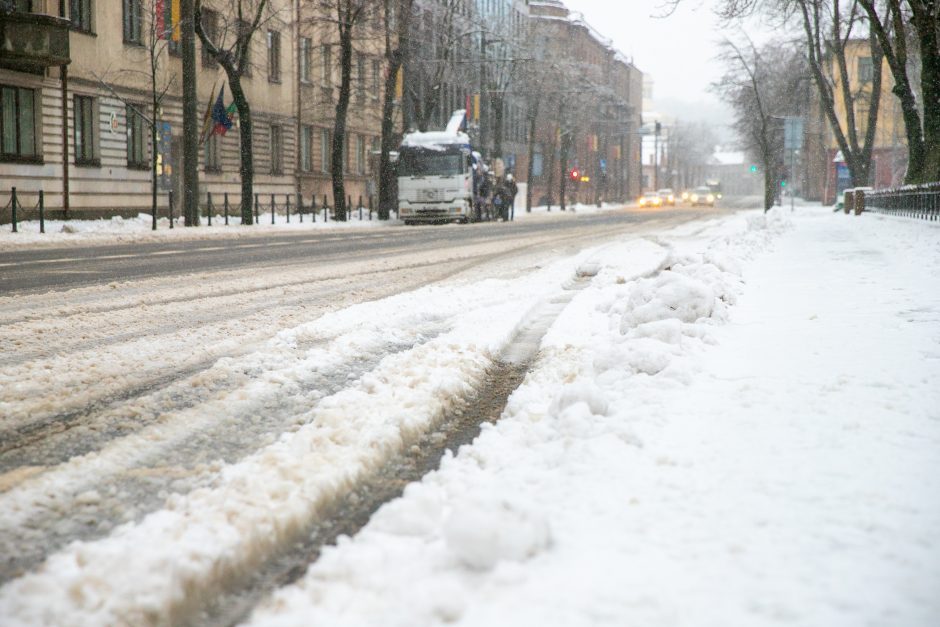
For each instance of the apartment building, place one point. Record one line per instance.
(76, 108)
(590, 134)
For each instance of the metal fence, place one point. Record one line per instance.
(216, 208)
(912, 201)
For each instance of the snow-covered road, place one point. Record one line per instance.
(727, 422)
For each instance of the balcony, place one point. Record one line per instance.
(32, 41)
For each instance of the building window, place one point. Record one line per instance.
(326, 69)
(305, 52)
(277, 151)
(80, 14)
(86, 152)
(326, 151)
(17, 124)
(132, 22)
(213, 153)
(274, 56)
(866, 70)
(210, 25)
(136, 138)
(360, 155)
(360, 77)
(306, 148)
(376, 72)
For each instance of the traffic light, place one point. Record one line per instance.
(753, 169)
(575, 174)
(783, 183)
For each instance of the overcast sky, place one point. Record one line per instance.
(677, 51)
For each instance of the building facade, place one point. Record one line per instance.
(77, 81)
(824, 170)
(90, 147)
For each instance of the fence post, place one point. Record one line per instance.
(313, 208)
(170, 200)
(209, 208)
(287, 206)
(370, 207)
(257, 210)
(300, 207)
(349, 207)
(326, 210)
(42, 213)
(226, 208)
(360, 207)
(13, 207)
(273, 208)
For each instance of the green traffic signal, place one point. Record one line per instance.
(753, 168)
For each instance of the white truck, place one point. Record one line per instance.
(436, 175)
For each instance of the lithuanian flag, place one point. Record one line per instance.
(168, 19)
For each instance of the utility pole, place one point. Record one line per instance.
(190, 122)
(658, 127)
(483, 94)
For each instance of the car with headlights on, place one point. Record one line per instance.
(650, 199)
(702, 196)
(668, 196)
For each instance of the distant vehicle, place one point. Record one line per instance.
(650, 199)
(668, 196)
(702, 196)
(715, 187)
(685, 195)
(436, 175)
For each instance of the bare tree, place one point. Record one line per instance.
(762, 86)
(908, 36)
(899, 24)
(436, 54)
(230, 46)
(397, 16)
(828, 26)
(146, 27)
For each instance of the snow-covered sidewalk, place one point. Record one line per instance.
(692, 449)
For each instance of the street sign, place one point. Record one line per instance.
(603, 165)
(792, 133)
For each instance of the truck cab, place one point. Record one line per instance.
(435, 176)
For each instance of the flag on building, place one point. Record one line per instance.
(207, 125)
(222, 116)
(168, 19)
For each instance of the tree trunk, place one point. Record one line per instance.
(386, 170)
(533, 126)
(247, 169)
(190, 122)
(927, 32)
(498, 111)
(339, 125)
(563, 170)
(550, 183)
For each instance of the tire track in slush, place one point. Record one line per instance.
(346, 516)
(188, 461)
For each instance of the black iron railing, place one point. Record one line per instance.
(911, 201)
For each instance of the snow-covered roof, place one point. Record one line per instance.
(435, 140)
(728, 158)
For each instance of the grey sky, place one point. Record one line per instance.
(677, 51)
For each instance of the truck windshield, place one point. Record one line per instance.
(430, 164)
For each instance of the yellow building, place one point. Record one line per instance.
(826, 173)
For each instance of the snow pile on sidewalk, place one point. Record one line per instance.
(689, 452)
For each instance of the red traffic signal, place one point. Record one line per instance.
(574, 175)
